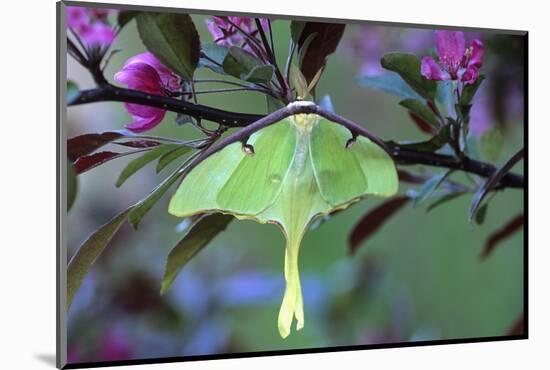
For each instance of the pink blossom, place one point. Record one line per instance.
(97, 34)
(456, 62)
(144, 72)
(101, 13)
(90, 24)
(225, 33)
(76, 16)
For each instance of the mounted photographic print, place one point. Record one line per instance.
(240, 184)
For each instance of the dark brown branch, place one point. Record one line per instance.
(113, 93)
(483, 169)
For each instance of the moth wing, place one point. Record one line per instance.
(198, 191)
(378, 167)
(258, 178)
(337, 170)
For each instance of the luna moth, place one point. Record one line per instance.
(295, 166)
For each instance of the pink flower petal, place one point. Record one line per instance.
(169, 79)
(97, 34)
(142, 111)
(101, 13)
(76, 16)
(469, 75)
(477, 54)
(450, 47)
(141, 124)
(144, 72)
(214, 29)
(140, 76)
(431, 70)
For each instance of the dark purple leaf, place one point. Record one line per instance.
(140, 143)
(373, 220)
(492, 182)
(411, 178)
(85, 144)
(321, 46)
(422, 124)
(88, 162)
(519, 326)
(508, 229)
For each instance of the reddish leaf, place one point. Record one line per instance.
(88, 162)
(373, 220)
(85, 144)
(518, 328)
(422, 124)
(504, 232)
(325, 43)
(411, 178)
(140, 143)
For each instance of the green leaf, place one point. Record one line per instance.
(140, 162)
(72, 91)
(144, 206)
(171, 156)
(298, 81)
(88, 253)
(197, 236)
(480, 214)
(427, 189)
(273, 104)
(469, 91)
(390, 83)
(304, 46)
(243, 65)
(72, 185)
(173, 39)
(125, 16)
(421, 109)
(214, 56)
(491, 143)
(435, 143)
(408, 67)
(296, 28)
(290, 180)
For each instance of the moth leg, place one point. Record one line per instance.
(248, 149)
(351, 140)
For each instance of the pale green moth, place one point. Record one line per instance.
(300, 168)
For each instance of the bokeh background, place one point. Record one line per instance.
(419, 278)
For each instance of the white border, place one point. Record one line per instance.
(28, 182)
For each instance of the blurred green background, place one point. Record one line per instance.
(419, 278)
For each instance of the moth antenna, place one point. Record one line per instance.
(351, 140)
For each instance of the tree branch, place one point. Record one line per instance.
(233, 119)
(113, 93)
